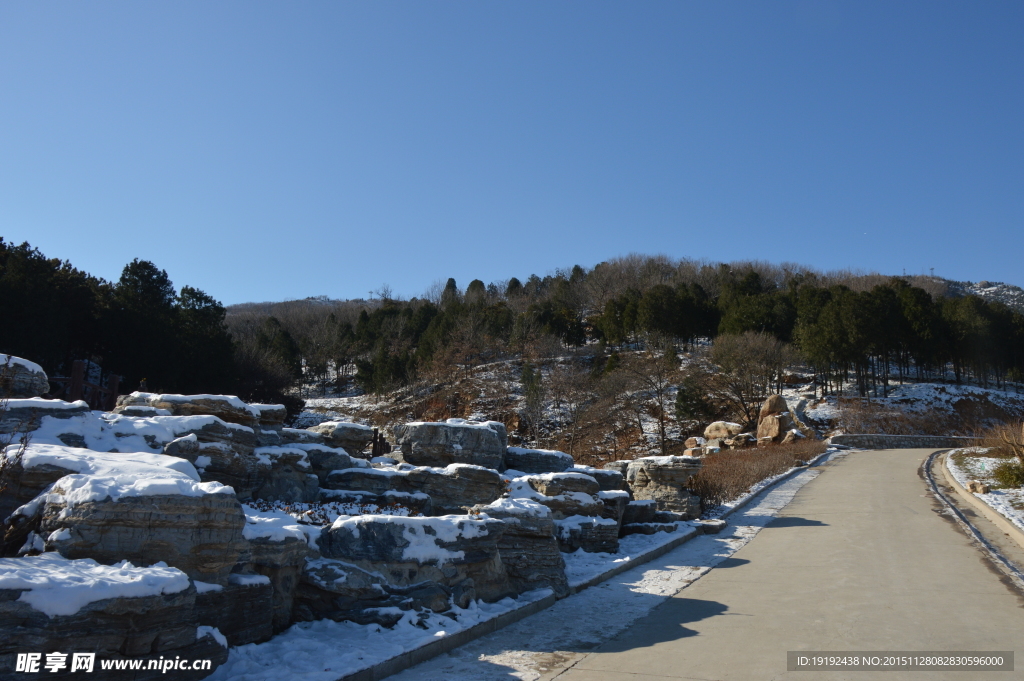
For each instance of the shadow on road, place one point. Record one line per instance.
(677, 610)
(793, 521)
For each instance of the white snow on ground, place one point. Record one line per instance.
(1008, 502)
(58, 586)
(916, 397)
(326, 650)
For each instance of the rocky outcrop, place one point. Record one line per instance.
(607, 479)
(199, 535)
(281, 561)
(243, 612)
(564, 494)
(532, 461)
(20, 378)
(352, 437)
(451, 489)
(456, 441)
(722, 430)
(773, 427)
(324, 460)
(663, 479)
(458, 554)
(24, 415)
(528, 548)
(593, 535)
(160, 621)
(271, 416)
(775, 404)
(227, 408)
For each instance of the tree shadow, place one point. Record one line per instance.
(659, 626)
(793, 521)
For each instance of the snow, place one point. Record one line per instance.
(31, 366)
(184, 399)
(576, 522)
(423, 534)
(268, 455)
(102, 475)
(276, 526)
(347, 424)
(525, 507)
(1007, 502)
(205, 587)
(613, 494)
(46, 405)
(248, 580)
(58, 586)
(326, 650)
(214, 632)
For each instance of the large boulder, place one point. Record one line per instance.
(776, 404)
(352, 437)
(722, 430)
(663, 479)
(459, 554)
(455, 441)
(199, 535)
(225, 407)
(49, 603)
(528, 548)
(531, 461)
(773, 428)
(451, 489)
(271, 416)
(564, 494)
(20, 378)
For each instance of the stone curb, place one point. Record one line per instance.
(412, 658)
(997, 518)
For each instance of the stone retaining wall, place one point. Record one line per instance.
(902, 441)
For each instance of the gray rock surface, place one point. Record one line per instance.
(774, 427)
(593, 535)
(537, 460)
(227, 408)
(441, 444)
(640, 512)
(529, 548)
(458, 553)
(352, 437)
(24, 416)
(201, 536)
(450, 489)
(20, 378)
(242, 612)
(117, 628)
(282, 562)
(663, 479)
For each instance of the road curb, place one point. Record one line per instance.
(994, 516)
(413, 657)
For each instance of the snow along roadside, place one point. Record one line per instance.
(329, 651)
(549, 640)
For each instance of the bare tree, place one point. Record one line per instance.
(655, 374)
(751, 366)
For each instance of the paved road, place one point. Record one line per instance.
(859, 560)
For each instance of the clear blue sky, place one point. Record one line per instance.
(275, 150)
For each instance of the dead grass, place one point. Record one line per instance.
(731, 473)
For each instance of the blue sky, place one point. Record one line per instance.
(270, 150)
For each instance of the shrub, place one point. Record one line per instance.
(1010, 473)
(731, 473)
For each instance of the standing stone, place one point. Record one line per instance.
(457, 441)
(663, 479)
(20, 378)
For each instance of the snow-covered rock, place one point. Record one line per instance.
(21, 378)
(456, 441)
(537, 460)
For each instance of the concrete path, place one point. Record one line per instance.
(859, 560)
